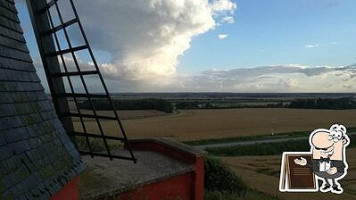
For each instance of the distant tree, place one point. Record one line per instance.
(208, 105)
(320, 103)
(187, 105)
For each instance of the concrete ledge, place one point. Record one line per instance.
(170, 148)
(104, 178)
(164, 168)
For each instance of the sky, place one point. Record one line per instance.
(217, 45)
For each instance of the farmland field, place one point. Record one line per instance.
(260, 173)
(224, 123)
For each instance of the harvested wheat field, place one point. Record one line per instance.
(266, 169)
(223, 123)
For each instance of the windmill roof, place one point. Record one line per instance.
(37, 157)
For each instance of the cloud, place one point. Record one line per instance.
(321, 44)
(223, 6)
(227, 19)
(277, 78)
(311, 46)
(146, 38)
(222, 36)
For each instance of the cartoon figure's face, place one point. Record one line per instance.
(329, 143)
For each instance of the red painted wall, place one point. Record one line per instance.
(69, 191)
(196, 182)
(199, 179)
(175, 188)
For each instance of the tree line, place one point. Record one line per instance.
(168, 107)
(130, 104)
(320, 103)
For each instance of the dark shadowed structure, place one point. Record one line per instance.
(37, 157)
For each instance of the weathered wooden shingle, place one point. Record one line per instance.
(36, 156)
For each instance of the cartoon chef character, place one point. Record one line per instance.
(329, 160)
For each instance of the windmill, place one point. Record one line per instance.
(61, 77)
(38, 155)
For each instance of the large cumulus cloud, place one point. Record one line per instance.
(145, 38)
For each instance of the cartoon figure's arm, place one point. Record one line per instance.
(316, 166)
(339, 166)
(303, 162)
